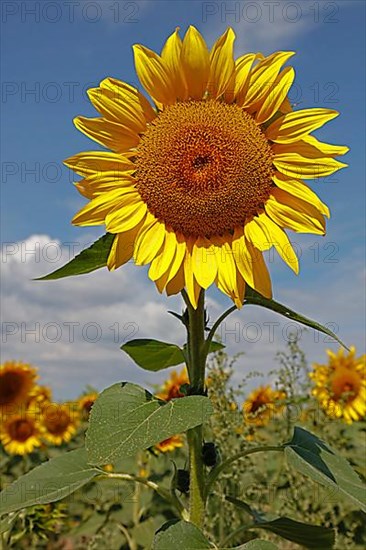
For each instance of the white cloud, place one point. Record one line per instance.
(72, 328)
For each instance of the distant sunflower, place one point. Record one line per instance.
(60, 422)
(40, 395)
(171, 389)
(20, 434)
(199, 186)
(262, 404)
(340, 386)
(85, 403)
(16, 381)
(170, 444)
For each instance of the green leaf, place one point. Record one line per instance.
(55, 479)
(254, 298)
(310, 456)
(215, 346)
(127, 418)
(310, 536)
(153, 355)
(180, 534)
(88, 260)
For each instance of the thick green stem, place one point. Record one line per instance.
(196, 369)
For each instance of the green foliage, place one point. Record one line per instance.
(88, 260)
(126, 419)
(53, 480)
(311, 457)
(181, 534)
(154, 355)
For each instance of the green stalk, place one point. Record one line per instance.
(196, 368)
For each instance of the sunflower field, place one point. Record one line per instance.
(122, 512)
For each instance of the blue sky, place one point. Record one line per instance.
(51, 53)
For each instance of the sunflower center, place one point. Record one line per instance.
(11, 385)
(345, 386)
(203, 167)
(21, 430)
(57, 423)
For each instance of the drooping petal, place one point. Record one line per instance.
(298, 167)
(191, 284)
(163, 261)
(154, 75)
(279, 240)
(300, 190)
(195, 62)
(204, 262)
(276, 97)
(114, 136)
(293, 213)
(177, 283)
(222, 63)
(294, 126)
(149, 243)
(122, 248)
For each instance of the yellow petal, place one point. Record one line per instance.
(95, 212)
(262, 78)
(310, 147)
(114, 136)
(250, 264)
(176, 284)
(176, 264)
(226, 270)
(204, 262)
(276, 96)
(122, 248)
(195, 62)
(121, 112)
(293, 213)
(97, 162)
(296, 125)
(161, 263)
(300, 190)
(127, 214)
(154, 75)
(280, 241)
(257, 235)
(190, 282)
(298, 167)
(94, 185)
(171, 55)
(243, 66)
(149, 243)
(222, 63)
(124, 92)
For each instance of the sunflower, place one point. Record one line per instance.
(60, 422)
(262, 404)
(16, 382)
(20, 433)
(86, 402)
(39, 395)
(170, 444)
(171, 389)
(199, 185)
(340, 386)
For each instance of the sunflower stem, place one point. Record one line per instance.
(196, 369)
